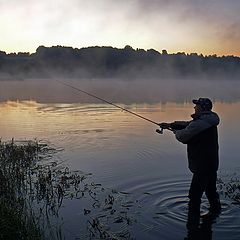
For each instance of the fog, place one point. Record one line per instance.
(147, 91)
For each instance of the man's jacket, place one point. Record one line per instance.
(201, 137)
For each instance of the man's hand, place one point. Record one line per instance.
(165, 125)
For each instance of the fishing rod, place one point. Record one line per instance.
(115, 105)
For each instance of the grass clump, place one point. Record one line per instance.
(34, 187)
(230, 189)
(14, 225)
(15, 162)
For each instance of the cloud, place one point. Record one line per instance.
(140, 23)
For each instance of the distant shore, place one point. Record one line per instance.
(109, 62)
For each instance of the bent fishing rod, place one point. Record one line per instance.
(113, 104)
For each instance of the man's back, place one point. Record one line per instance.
(202, 151)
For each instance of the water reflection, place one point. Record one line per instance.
(197, 230)
(124, 153)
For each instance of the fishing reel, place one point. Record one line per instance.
(160, 131)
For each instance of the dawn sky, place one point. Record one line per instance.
(202, 26)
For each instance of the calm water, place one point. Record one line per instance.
(124, 153)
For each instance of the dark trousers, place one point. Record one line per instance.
(203, 183)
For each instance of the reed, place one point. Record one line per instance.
(230, 188)
(15, 163)
(34, 186)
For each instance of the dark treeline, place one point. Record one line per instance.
(109, 62)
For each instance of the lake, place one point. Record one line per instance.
(145, 172)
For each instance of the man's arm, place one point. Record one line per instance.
(192, 129)
(177, 125)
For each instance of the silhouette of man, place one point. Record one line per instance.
(201, 136)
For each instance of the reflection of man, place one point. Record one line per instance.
(201, 136)
(203, 232)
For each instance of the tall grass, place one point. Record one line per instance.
(16, 161)
(34, 186)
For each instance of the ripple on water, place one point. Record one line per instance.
(163, 208)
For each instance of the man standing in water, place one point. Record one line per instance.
(201, 136)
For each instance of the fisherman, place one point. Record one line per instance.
(201, 136)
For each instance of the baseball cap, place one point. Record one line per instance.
(205, 103)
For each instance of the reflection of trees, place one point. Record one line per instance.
(102, 62)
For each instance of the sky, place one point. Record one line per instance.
(191, 26)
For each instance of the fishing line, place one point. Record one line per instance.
(115, 105)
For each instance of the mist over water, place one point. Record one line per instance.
(120, 91)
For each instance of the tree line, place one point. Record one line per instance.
(109, 62)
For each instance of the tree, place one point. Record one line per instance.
(164, 52)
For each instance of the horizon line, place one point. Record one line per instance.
(169, 53)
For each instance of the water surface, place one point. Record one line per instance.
(125, 153)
